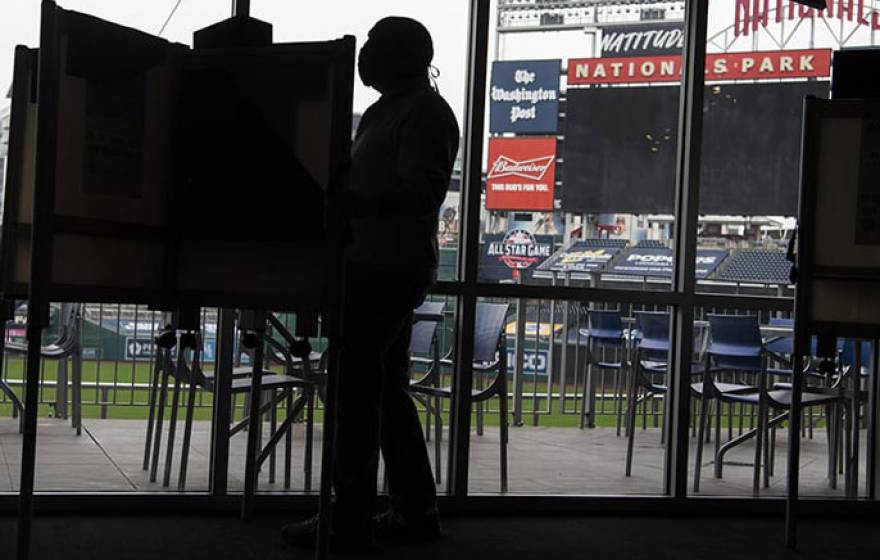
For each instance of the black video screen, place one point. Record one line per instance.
(620, 146)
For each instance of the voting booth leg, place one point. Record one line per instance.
(29, 443)
(328, 447)
(794, 450)
(253, 339)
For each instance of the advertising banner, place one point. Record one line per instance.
(525, 96)
(534, 363)
(642, 40)
(811, 63)
(522, 174)
(658, 262)
(579, 257)
(507, 256)
(144, 348)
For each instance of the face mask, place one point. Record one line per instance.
(373, 68)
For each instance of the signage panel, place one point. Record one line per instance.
(522, 174)
(507, 256)
(524, 96)
(642, 40)
(658, 262)
(580, 257)
(809, 63)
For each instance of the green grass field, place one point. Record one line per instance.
(126, 403)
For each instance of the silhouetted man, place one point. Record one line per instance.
(402, 161)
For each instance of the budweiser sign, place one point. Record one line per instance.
(810, 63)
(521, 174)
(532, 169)
(750, 15)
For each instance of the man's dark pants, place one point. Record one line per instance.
(375, 408)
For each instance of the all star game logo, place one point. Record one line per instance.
(519, 250)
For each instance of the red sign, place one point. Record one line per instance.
(522, 172)
(812, 63)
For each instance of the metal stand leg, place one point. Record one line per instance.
(288, 442)
(503, 423)
(630, 421)
(160, 416)
(310, 439)
(698, 459)
(61, 382)
(29, 442)
(253, 339)
(438, 439)
(187, 435)
(77, 390)
(151, 413)
(172, 426)
(273, 426)
(585, 395)
(328, 449)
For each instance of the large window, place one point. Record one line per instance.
(566, 350)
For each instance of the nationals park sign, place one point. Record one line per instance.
(806, 63)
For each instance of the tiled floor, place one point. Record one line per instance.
(109, 456)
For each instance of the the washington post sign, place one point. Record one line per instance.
(525, 96)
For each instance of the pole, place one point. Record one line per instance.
(241, 8)
(222, 401)
(253, 338)
(41, 259)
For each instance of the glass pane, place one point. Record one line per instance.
(577, 375)
(749, 359)
(762, 60)
(117, 347)
(581, 144)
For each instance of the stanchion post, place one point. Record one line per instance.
(254, 327)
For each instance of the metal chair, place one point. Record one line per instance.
(490, 355)
(281, 387)
(735, 344)
(424, 350)
(605, 332)
(66, 347)
(651, 360)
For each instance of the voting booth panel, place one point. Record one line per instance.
(18, 196)
(178, 177)
(839, 256)
(253, 182)
(112, 110)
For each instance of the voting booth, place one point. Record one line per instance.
(144, 171)
(838, 262)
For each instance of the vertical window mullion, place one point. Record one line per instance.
(687, 186)
(475, 105)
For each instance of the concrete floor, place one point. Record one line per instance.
(108, 458)
(212, 537)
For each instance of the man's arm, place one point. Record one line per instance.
(428, 146)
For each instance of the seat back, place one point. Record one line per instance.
(423, 331)
(653, 335)
(606, 327)
(783, 345)
(68, 332)
(735, 342)
(488, 330)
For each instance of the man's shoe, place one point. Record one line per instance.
(392, 525)
(304, 534)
